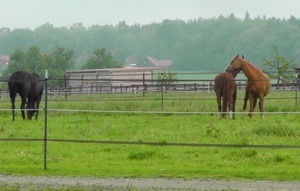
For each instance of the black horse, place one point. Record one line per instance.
(30, 87)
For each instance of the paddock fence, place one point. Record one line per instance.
(66, 88)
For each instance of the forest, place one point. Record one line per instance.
(194, 45)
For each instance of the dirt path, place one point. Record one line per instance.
(147, 184)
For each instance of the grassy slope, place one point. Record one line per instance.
(110, 160)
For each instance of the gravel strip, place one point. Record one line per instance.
(148, 184)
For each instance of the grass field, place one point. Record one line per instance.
(66, 121)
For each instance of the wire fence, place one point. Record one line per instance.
(143, 87)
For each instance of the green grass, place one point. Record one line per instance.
(126, 160)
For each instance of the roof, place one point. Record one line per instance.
(4, 60)
(160, 63)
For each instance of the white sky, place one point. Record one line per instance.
(34, 13)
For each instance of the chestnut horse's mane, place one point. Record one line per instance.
(252, 72)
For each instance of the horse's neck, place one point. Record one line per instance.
(251, 71)
(235, 73)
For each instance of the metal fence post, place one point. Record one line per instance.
(144, 85)
(162, 94)
(296, 96)
(46, 116)
(66, 86)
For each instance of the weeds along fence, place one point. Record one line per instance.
(132, 88)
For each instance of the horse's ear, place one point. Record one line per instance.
(243, 56)
(237, 56)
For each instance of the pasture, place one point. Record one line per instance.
(126, 123)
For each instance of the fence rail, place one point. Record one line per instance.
(176, 86)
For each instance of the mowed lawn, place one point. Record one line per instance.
(180, 130)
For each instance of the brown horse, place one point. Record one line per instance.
(258, 84)
(226, 87)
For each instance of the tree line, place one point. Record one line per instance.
(194, 45)
(56, 62)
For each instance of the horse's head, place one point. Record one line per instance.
(235, 66)
(30, 110)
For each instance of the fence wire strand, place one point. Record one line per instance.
(154, 143)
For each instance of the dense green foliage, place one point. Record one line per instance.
(101, 59)
(195, 45)
(35, 61)
(125, 160)
(56, 62)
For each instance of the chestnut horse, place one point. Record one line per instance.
(225, 87)
(258, 84)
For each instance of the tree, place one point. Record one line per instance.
(247, 16)
(101, 59)
(33, 59)
(281, 66)
(58, 62)
(16, 63)
(63, 58)
(166, 78)
(200, 44)
(26, 61)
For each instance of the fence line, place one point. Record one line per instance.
(88, 86)
(153, 143)
(156, 112)
(159, 112)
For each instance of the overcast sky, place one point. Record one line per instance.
(34, 13)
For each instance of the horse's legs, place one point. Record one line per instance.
(37, 105)
(30, 108)
(261, 105)
(219, 105)
(245, 100)
(38, 100)
(13, 106)
(233, 105)
(23, 106)
(225, 105)
(230, 108)
(252, 104)
(230, 105)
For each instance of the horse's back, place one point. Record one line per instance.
(19, 82)
(224, 79)
(19, 77)
(22, 82)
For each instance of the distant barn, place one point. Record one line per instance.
(96, 80)
(99, 80)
